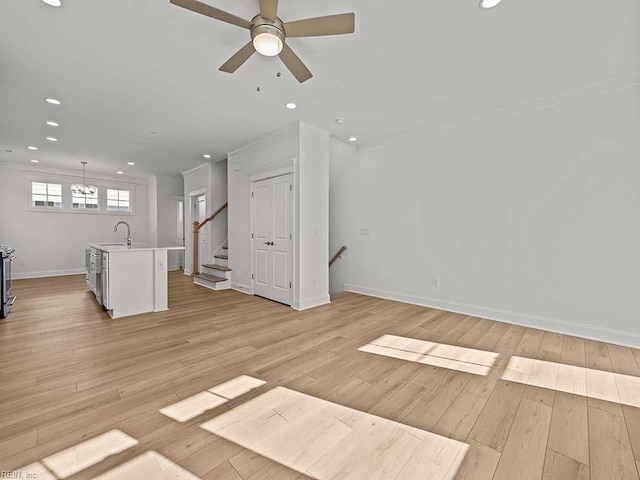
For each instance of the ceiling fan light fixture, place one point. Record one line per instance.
(268, 39)
(487, 4)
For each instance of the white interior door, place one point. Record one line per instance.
(272, 238)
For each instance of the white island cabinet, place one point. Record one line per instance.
(133, 278)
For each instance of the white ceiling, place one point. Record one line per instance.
(125, 68)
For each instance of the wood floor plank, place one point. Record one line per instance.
(498, 414)
(559, 467)
(569, 434)
(480, 463)
(610, 449)
(70, 373)
(524, 452)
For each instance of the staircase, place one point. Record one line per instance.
(215, 276)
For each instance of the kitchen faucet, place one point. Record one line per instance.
(115, 229)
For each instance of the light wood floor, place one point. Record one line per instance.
(69, 373)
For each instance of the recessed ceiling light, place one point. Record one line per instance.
(32, 148)
(131, 163)
(53, 124)
(486, 4)
(35, 161)
(53, 3)
(206, 155)
(291, 106)
(52, 139)
(53, 101)
(353, 139)
(120, 173)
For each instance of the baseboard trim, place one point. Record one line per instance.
(239, 287)
(312, 302)
(591, 332)
(49, 273)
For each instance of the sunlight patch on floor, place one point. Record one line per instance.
(81, 456)
(199, 403)
(325, 440)
(587, 382)
(478, 362)
(148, 466)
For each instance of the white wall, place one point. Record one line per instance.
(280, 147)
(341, 157)
(533, 219)
(309, 147)
(53, 243)
(314, 216)
(170, 188)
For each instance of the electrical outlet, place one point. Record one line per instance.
(365, 232)
(436, 281)
(21, 262)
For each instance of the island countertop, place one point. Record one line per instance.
(135, 247)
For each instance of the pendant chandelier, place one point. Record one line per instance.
(83, 189)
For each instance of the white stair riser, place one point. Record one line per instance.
(203, 282)
(216, 272)
(221, 261)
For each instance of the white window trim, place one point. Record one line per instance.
(66, 181)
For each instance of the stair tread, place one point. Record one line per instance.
(223, 257)
(225, 248)
(222, 268)
(211, 278)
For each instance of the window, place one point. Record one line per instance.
(118, 200)
(79, 200)
(46, 195)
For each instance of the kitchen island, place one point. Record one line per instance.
(130, 279)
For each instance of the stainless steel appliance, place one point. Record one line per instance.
(93, 260)
(7, 299)
(96, 263)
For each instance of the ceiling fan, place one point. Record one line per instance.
(269, 33)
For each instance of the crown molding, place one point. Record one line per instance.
(293, 128)
(66, 173)
(560, 97)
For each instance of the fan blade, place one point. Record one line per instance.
(236, 61)
(269, 9)
(319, 26)
(294, 64)
(204, 9)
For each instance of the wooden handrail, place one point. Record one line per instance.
(196, 230)
(338, 255)
(212, 216)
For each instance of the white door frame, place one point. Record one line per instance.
(188, 233)
(263, 173)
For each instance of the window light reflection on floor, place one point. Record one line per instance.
(148, 466)
(325, 440)
(79, 457)
(587, 382)
(199, 403)
(478, 362)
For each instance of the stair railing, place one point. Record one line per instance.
(338, 255)
(196, 233)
